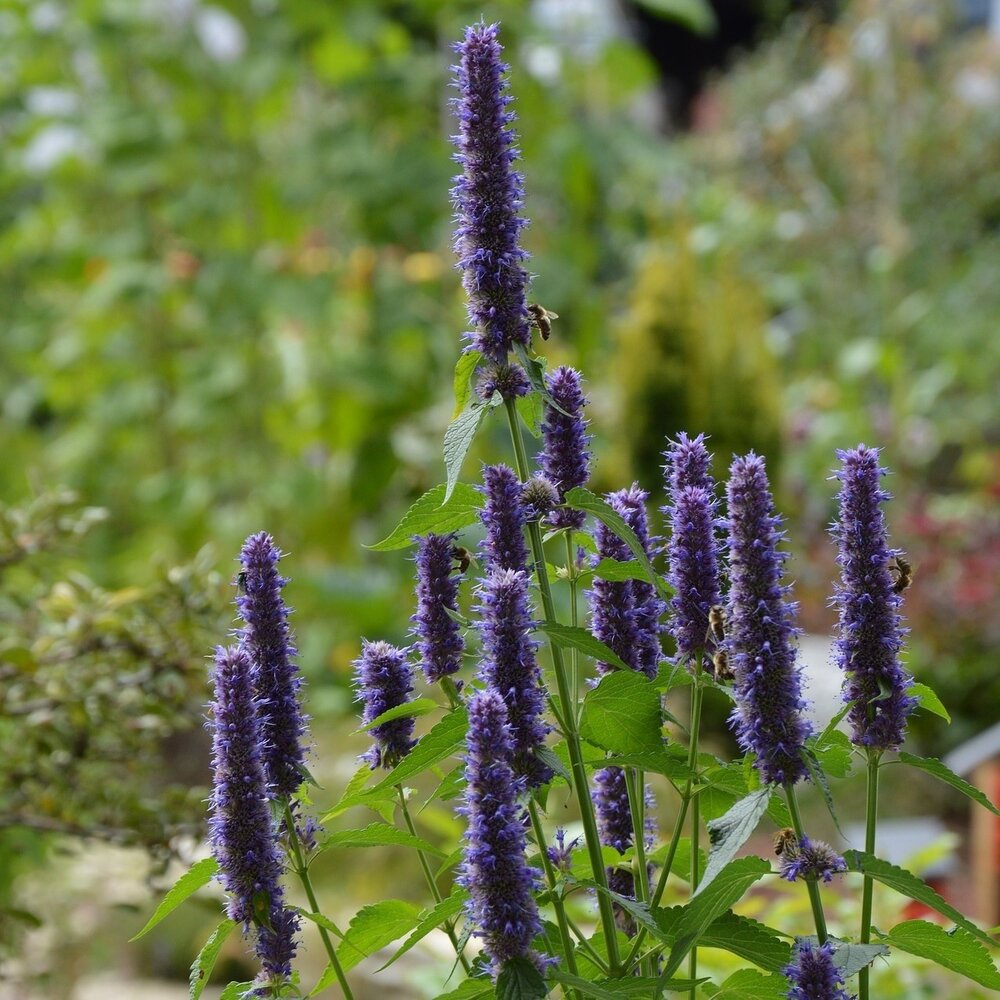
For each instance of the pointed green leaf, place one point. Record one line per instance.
(319, 920)
(439, 510)
(618, 571)
(471, 989)
(851, 958)
(655, 762)
(614, 989)
(198, 875)
(955, 950)
(442, 741)
(201, 968)
(750, 940)
(531, 410)
(373, 927)
(622, 714)
(431, 919)
(465, 369)
(834, 752)
(819, 778)
(749, 984)
(930, 701)
(379, 835)
(942, 772)
(520, 980)
(574, 637)
(238, 991)
(458, 439)
(731, 831)
(415, 708)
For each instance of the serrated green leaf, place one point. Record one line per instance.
(731, 831)
(618, 571)
(907, 884)
(956, 950)
(640, 912)
(415, 708)
(614, 989)
(198, 875)
(941, 771)
(458, 439)
(574, 637)
(834, 752)
(655, 762)
(531, 409)
(929, 700)
(465, 369)
(373, 927)
(520, 980)
(851, 958)
(237, 991)
(553, 761)
(749, 984)
(819, 778)
(471, 989)
(431, 919)
(439, 510)
(747, 938)
(201, 968)
(379, 835)
(622, 714)
(319, 920)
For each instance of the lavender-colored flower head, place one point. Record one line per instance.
(768, 715)
(612, 606)
(509, 380)
(487, 197)
(384, 680)
(539, 498)
(565, 457)
(688, 462)
(811, 859)
(500, 883)
(510, 668)
(812, 974)
(870, 630)
(503, 515)
(561, 853)
(268, 641)
(241, 831)
(439, 638)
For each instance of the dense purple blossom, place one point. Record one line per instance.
(688, 463)
(565, 456)
(810, 859)
(768, 715)
(509, 380)
(538, 498)
(268, 641)
(870, 633)
(502, 905)
(439, 638)
(511, 669)
(503, 515)
(560, 852)
(487, 197)
(241, 830)
(384, 680)
(812, 974)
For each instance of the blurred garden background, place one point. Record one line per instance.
(229, 303)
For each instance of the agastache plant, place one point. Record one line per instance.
(529, 721)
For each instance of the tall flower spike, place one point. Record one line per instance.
(812, 974)
(688, 462)
(768, 714)
(384, 680)
(439, 638)
(503, 515)
(241, 831)
(810, 859)
(565, 458)
(510, 668)
(500, 883)
(487, 196)
(268, 641)
(870, 633)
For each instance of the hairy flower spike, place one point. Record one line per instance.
(502, 905)
(870, 633)
(688, 462)
(565, 457)
(811, 859)
(439, 638)
(768, 714)
(241, 831)
(612, 606)
(487, 197)
(812, 974)
(503, 515)
(268, 641)
(510, 668)
(539, 498)
(509, 380)
(384, 680)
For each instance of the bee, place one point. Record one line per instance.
(463, 556)
(717, 622)
(903, 573)
(241, 583)
(720, 666)
(785, 841)
(542, 318)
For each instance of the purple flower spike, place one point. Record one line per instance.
(268, 641)
(565, 458)
(509, 380)
(439, 638)
(487, 196)
(510, 668)
(502, 905)
(504, 517)
(811, 859)
(768, 714)
(384, 680)
(870, 631)
(688, 462)
(812, 974)
(241, 831)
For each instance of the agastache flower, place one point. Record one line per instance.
(870, 633)
(503, 515)
(509, 380)
(241, 830)
(511, 669)
(268, 641)
(768, 714)
(500, 883)
(688, 463)
(613, 617)
(812, 974)
(384, 680)
(565, 458)
(439, 638)
(488, 196)
(561, 853)
(810, 860)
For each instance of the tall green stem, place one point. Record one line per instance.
(449, 927)
(635, 783)
(871, 821)
(302, 871)
(695, 877)
(567, 702)
(574, 656)
(811, 885)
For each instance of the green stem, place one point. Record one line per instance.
(871, 821)
(567, 701)
(635, 784)
(574, 617)
(695, 877)
(811, 884)
(449, 926)
(588, 948)
(302, 871)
